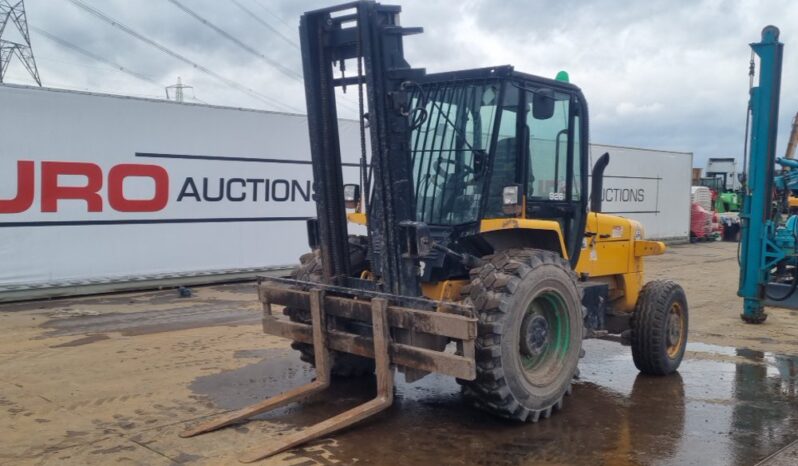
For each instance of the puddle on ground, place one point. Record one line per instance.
(712, 349)
(278, 370)
(82, 341)
(123, 298)
(785, 366)
(155, 321)
(711, 412)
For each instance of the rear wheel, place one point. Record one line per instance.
(659, 328)
(310, 270)
(529, 336)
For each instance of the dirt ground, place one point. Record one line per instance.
(709, 274)
(113, 379)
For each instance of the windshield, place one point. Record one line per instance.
(449, 141)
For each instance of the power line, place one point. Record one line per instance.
(82, 51)
(180, 57)
(344, 101)
(286, 71)
(273, 14)
(265, 24)
(81, 64)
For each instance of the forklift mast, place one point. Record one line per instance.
(368, 34)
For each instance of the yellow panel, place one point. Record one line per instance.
(609, 247)
(495, 224)
(356, 217)
(447, 290)
(649, 248)
(793, 201)
(615, 252)
(605, 258)
(612, 227)
(632, 283)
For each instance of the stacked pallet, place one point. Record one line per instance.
(702, 196)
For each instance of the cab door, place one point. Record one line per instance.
(556, 153)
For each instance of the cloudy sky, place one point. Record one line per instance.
(657, 74)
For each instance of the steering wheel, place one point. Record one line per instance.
(441, 173)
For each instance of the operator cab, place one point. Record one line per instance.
(494, 143)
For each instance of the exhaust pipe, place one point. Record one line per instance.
(598, 182)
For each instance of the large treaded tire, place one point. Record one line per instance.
(501, 291)
(310, 270)
(653, 351)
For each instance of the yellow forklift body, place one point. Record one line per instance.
(612, 252)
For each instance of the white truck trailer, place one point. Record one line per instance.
(103, 192)
(724, 168)
(651, 186)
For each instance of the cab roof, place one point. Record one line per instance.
(496, 72)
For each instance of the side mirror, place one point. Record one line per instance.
(598, 182)
(543, 104)
(351, 196)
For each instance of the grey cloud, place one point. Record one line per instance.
(661, 74)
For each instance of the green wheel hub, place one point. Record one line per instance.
(544, 337)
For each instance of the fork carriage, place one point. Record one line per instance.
(325, 303)
(451, 321)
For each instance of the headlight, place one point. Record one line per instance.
(511, 199)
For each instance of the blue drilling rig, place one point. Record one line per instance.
(769, 242)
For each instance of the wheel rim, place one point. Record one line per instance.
(675, 326)
(544, 338)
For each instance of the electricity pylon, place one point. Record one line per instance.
(15, 12)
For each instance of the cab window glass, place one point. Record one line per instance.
(448, 149)
(505, 156)
(548, 151)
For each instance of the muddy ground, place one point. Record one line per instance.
(113, 380)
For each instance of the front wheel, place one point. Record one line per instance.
(659, 328)
(529, 336)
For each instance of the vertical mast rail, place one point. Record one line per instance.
(757, 252)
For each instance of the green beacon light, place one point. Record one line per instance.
(562, 76)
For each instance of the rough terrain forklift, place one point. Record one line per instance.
(481, 260)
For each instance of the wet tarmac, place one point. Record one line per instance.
(146, 322)
(114, 379)
(161, 311)
(725, 406)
